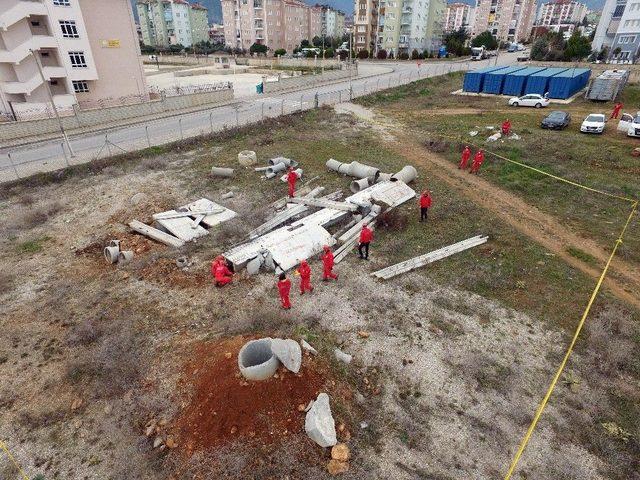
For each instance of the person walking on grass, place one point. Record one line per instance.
(366, 236)
(617, 108)
(464, 158)
(284, 288)
(304, 270)
(292, 178)
(327, 264)
(477, 162)
(425, 204)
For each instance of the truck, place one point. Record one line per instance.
(479, 53)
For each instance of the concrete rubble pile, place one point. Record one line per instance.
(279, 165)
(301, 228)
(186, 223)
(113, 254)
(368, 176)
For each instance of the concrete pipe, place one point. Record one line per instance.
(278, 167)
(384, 177)
(256, 360)
(407, 175)
(287, 161)
(114, 243)
(360, 170)
(358, 185)
(125, 257)
(222, 172)
(111, 253)
(298, 171)
(333, 164)
(182, 262)
(247, 158)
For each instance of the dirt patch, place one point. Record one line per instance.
(225, 408)
(164, 271)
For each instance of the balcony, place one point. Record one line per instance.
(24, 88)
(19, 53)
(16, 10)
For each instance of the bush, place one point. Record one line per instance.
(382, 54)
(362, 54)
(280, 52)
(257, 48)
(415, 54)
(343, 54)
(329, 53)
(391, 55)
(403, 56)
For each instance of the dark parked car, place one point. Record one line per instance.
(556, 120)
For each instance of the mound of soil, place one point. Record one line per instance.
(164, 271)
(128, 241)
(225, 408)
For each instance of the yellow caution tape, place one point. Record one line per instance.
(543, 404)
(4, 448)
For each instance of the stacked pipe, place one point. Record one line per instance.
(367, 175)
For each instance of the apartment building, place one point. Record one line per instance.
(507, 20)
(88, 50)
(457, 16)
(406, 25)
(619, 30)
(365, 25)
(561, 12)
(274, 23)
(172, 22)
(332, 22)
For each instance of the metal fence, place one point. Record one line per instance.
(25, 161)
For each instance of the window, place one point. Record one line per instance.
(80, 86)
(69, 29)
(77, 59)
(62, 3)
(35, 24)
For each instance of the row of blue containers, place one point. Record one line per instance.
(559, 83)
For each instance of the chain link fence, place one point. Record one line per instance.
(25, 161)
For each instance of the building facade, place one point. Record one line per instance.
(88, 50)
(172, 22)
(619, 31)
(332, 22)
(365, 25)
(216, 34)
(507, 20)
(274, 23)
(402, 26)
(457, 16)
(561, 12)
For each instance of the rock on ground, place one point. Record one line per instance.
(319, 423)
(288, 352)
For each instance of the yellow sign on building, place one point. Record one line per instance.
(112, 43)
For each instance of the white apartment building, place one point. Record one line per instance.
(332, 22)
(619, 30)
(507, 20)
(457, 16)
(561, 12)
(172, 22)
(88, 50)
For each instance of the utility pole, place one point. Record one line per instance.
(53, 104)
(350, 87)
(323, 54)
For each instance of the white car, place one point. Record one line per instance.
(630, 125)
(530, 100)
(594, 123)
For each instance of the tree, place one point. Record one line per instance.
(578, 47)
(362, 54)
(403, 56)
(177, 48)
(304, 44)
(279, 52)
(329, 53)
(539, 49)
(317, 41)
(258, 48)
(455, 41)
(486, 39)
(382, 54)
(343, 54)
(603, 54)
(415, 54)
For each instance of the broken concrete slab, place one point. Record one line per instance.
(253, 266)
(494, 137)
(342, 357)
(319, 423)
(308, 348)
(227, 195)
(288, 352)
(318, 202)
(155, 234)
(211, 220)
(181, 227)
(388, 192)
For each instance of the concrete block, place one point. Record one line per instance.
(319, 423)
(288, 352)
(342, 357)
(308, 348)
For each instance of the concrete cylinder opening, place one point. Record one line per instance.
(247, 157)
(221, 172)
(407, 175)
(358, 185)
(111, 253)
(278, 167)
(256, 360)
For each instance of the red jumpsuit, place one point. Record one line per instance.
(221, 273)
(616, 110)
(284, 287)
(506, 128)
(305, 277)
(425, 204)
(464, 159)
(327, 263)
(477, 162)
(292, 177)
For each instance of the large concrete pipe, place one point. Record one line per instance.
(287, 161)
(384, 177)
(256, 360)
(360, 170)
(111, 253)
(221, 172)
(407, 175)
(335, 165)
(358, 185)
(125, 256)
(278, 167)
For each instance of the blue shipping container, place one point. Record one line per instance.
(565, 84)
(493, 81)
(514, 82)
(539, 82)
(474, 79)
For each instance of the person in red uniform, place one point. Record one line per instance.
(366, 236)
(506, 127)
(477, 162)
(425, 204)
(304, 270)
(617, 108)
(221, 272)
(464, 159)
(327, 263)
(284, 287)
(292, 178)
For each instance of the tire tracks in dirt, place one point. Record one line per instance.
(543, 228)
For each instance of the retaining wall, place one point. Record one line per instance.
(102, 116)
(288, 62)
(306, 80)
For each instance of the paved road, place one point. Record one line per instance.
(50, 155)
